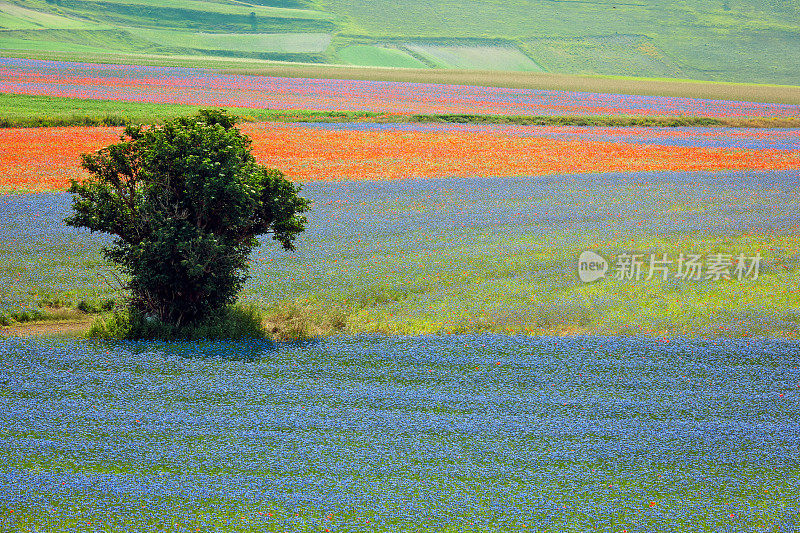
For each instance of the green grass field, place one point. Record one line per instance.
(524, 286)
(751, 41)
(622, 54)
(379, 56)
(83, 42)
(51, 111)
(35, 111)
(237, 42)
(475, 57)
(746, 41)
(17, 17)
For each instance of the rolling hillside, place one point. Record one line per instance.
(748, 41)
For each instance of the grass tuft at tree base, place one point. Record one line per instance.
(304, 319)
(235, 322)
(55, 310)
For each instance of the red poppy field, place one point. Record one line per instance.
(46, 158)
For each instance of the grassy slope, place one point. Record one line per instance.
(378, 56)
(750, 41)
(695, 39)
(236, 42)
(16, 17)
(139, 25)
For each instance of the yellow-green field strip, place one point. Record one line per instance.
(24, 111)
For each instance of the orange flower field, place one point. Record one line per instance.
(46, 158)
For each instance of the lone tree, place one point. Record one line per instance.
(185, 201)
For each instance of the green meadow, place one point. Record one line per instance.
(529, 286)
(745, 41)
(46, 111)
(25, 111)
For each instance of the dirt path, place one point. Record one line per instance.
(72, 327)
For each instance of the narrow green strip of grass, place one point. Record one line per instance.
(25, 111)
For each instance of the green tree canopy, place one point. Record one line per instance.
(186, 202)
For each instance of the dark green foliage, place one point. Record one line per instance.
(94, 307)
(186, 201)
